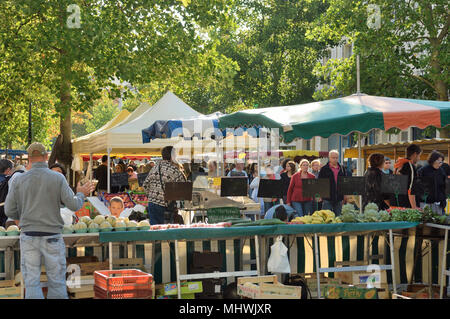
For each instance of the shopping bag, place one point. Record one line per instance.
(278, 261)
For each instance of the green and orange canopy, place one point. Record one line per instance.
(358, 112)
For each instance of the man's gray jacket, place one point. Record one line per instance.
(35, 198)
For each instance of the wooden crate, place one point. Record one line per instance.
(266, 287)
(9, 290)
(85, 290)
(311, 282)
(128, 263)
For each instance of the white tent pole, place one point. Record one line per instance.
(90, 172)
(109, 171)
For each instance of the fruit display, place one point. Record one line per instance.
(86, 219)
(80, 227)
(99, 219)
(112, 220)
(141, 199)
(68, 229)
(318, 217)
(127, 201)
(93, 227)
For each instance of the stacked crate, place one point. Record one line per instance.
(123, 284)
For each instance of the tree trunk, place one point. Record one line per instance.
(65, 125)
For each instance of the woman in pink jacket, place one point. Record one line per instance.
(302, 205)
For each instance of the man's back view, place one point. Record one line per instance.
(34, 199)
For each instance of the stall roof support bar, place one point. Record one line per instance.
(354, 268)
(219, 275)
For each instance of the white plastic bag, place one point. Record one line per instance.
(278, 261)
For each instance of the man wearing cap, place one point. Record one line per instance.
(34, 199)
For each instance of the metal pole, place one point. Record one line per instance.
(110, 255)
(316, 252)
(90, 173)
(177, 263)
(391, 244)
(359, 171)
(109, 171)
(444, 266)
(257, 255)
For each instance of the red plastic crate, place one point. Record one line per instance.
(122, 279)
(100, 293)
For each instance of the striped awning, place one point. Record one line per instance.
(355, 113)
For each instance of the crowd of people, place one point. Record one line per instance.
(37, 209)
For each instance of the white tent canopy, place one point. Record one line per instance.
(127, 137)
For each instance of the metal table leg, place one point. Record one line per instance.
(258, 269)
(316, 252)
(444, 266)
(177, 263)
(110, 255)
(391, 244)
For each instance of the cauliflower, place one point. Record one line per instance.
(371, 206)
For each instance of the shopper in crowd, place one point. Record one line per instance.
(295, 198)
(238, 170)
(212, 168)
(283, 165)
(315, 168)
(373, 192)
(167, 170)
(57, 167)
(269, 202)
(38, 211)
(446, 169)
(282, 211)
(6, 169)
(253, 172)
(289, 170)
(131, 173)
(331, 171)
(436, 197)
(133, 165)
(407, 166)
(101, 174)
(387, 166)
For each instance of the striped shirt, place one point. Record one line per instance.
(170, 172)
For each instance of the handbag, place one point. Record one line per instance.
(171, 215)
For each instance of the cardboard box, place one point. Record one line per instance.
(349, 292)
(266, 287)
(186, 288)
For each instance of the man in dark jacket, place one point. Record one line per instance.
(433, 194)
(331, 171)
(101, 174)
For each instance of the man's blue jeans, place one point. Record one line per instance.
(156, 214)
(52, 250)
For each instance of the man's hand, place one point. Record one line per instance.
(86, 189)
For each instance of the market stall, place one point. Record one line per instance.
(190, 234)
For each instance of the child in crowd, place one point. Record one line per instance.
(116, 206)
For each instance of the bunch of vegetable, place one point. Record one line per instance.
(428, 216)
(405, 215)
(349, 214)
(318, 217)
